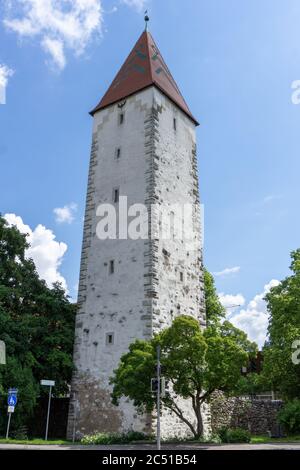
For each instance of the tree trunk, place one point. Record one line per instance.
(199, 423)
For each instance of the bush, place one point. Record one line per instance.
(232, 436)
(113, 438)
(289, 417)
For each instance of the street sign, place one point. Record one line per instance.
(12, 400)
(10, 409)
(48, 383)
(2, 353)
(12, 397)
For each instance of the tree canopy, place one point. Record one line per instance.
(195, 362)
(283, 303)
(36, 324)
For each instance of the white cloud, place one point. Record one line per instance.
(231, 302)
(59, 25)
(46, 252)
(139, 5)
(5, 74)
(227, 271)
(65, 214)
(254, 318)
(56, 50)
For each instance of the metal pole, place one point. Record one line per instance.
(48, 412)
(8, 425)
(158, 397)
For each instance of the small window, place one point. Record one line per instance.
(118, 153)
(121, 119)
(109, 338)
(175, 124)
(111, 266)
(181, 277)
(116, 195)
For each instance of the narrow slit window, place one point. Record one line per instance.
(118, 153)
(109, 339)
(116, 195)
(175, 124)
(111, 266)
(181, 277)
(121, 119)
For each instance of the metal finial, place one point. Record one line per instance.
(147, 19)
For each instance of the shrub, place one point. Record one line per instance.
(289, 417)
(113, 438)
(237, 435)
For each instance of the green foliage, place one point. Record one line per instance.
(113, 438)
(214, 309)
(234, 436)
(37, 325)
(283, 302)
(289, 416)
(251, 384)
(195, 362)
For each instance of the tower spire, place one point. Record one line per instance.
(147, 19)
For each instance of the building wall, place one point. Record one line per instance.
(157, 165)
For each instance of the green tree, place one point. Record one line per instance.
(215, 311)
(195, 362)
(283, 303)
(37, 325)
(217, 323)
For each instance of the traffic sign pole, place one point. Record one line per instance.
(48, 412)
(50, 384)
(12, 399)
(8, 425)
(158, 397)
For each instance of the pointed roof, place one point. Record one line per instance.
(143, 68)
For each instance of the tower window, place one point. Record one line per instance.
(109, 338)
(121, 118)
(116, 195)
(118, 153)
(111, 266)
(181, 277)
(175, 124)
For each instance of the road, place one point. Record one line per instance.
(180, 447)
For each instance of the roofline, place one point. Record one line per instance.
(99, 107)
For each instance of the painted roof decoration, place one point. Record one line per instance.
(143, 67)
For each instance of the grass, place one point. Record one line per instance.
(254, 440)
(37, 442)
(270, 440)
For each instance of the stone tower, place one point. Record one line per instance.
(144, 148)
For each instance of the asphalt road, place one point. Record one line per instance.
(275, 446)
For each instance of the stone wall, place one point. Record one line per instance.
(257, 416)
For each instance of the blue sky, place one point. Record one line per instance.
(234, 62)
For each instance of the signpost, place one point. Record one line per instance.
(50, 384)
(12, 400)
(158, 397)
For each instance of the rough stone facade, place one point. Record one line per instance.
(257, 416)
(154, 280)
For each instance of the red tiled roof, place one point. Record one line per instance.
(143, 67)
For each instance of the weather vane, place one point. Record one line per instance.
(146, 20)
